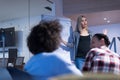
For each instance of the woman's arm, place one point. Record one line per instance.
(68, 44)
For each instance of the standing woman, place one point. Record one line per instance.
(81, 41)
(82, 38)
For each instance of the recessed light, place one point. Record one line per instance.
(108, 21)
(105, 18)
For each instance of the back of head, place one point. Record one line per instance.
(103, 36)
(44, 37)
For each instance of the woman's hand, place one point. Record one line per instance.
(105, 31)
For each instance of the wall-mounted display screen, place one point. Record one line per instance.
(7, 37)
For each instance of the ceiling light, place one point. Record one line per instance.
(105, 18)
(108, 21)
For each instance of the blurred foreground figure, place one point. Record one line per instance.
(42, 41)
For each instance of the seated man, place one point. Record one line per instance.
(42, 41)
(100, 58)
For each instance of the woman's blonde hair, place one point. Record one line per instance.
(78, 26)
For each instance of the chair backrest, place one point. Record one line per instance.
(3, 62)
(12, 53)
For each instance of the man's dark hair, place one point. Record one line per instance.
(44, 37)
(105, 37)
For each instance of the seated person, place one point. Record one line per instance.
(100, 58)
(42, 41)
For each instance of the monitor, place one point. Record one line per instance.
(9, 37)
